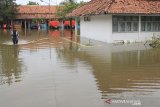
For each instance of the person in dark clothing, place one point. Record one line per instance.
(15, 36)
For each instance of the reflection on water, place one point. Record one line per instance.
(60, 72)
(133, 74)
(10, 65)
(129, 71)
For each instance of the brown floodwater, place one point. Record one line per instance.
(56, 69)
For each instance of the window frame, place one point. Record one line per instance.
(154, 20)
(131, 20)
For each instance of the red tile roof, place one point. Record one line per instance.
(36, 11)
(96, 7)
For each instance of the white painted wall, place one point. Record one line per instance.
(99, 28)
(125, 37)
(133, 37)
(148, 35)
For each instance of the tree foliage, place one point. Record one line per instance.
(66, 7)
(32, 3)
(8, 9)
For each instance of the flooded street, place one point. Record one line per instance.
(56, 69)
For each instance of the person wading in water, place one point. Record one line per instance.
(15, 36)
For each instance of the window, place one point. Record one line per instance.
(150, 23)
(158, 26)
(125, 23)
(87, 18)
(129, 24)
(148, 26)
(143, 26)
(135, 26)
(121, 26)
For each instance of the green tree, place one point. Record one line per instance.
(32, 3)
(8, 10)
(66, 7)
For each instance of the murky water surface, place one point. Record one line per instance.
(55, 69)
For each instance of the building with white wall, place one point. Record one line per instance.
(119, 20)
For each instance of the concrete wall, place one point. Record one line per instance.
(133, 37)
(125, 37)
(147, 35)
(100, 28)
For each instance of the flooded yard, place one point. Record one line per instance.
(56, 69)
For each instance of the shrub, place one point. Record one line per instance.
(155, 43)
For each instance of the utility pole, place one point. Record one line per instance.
(49, 5)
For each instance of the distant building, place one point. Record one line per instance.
(36, 11)
(119, 20)
(39, 14)
(28, 14)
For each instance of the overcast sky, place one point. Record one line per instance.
(52, 2)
